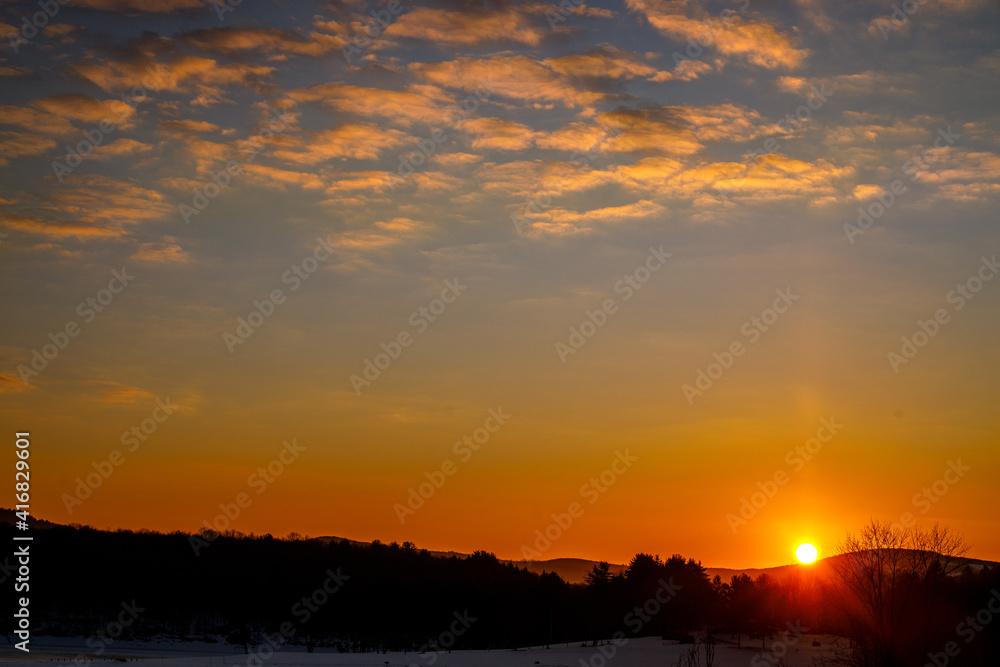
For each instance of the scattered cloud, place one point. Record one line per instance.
(510, 76)
(753, 41)
(498, 134)
(141, 6)
(360, 141)
(167, 252)
(270, 41)
(469, 27)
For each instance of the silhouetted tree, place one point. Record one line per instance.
(896, 592)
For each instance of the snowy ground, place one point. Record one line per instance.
(647, 652)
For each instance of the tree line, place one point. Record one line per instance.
(899, 596)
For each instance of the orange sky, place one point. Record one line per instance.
(689, 259)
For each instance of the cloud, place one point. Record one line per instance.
(971, 192)
(680, 130)
(513, 76)
(114, 393)
(280, 179)
(354, 181)
(605, 62)
(866, 191)
(51, 227)
(467, 27)
(270, 41)
(725, 122)
(21, 144)
(527, 179)
(652, 173)
(11, 385)
(35, 120)
(400, 225)
(963, 174)
(814, 12)
(498, 134)
(98, 207)
(206, 156)
(868, 128)
(656, 130)
(141, 6)
(865, 83)
(425, 104)
(361, 141)
(188, 126)
(772, 176)
(205, 77)
(436, 181)
(64, 33)
(167, 252)
(573, 137)
(456, 159)
(562, 222)
(12, 70)
(686, 70)
(88, 110)
(754, 41)
(597, 12)
(51, 116)
(120, 148)
(768, 177)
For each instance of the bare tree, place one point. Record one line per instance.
(893, 580)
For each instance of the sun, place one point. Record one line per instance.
(806, 553)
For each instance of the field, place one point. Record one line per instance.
(645, 652)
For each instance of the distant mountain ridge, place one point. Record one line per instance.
(575, 570)
(571, 570)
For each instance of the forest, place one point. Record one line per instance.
(899, 597)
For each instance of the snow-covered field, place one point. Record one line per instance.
(646, 652)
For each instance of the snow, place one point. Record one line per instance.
(645, 652)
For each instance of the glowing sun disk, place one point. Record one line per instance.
(806, 553)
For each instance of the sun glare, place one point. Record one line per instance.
(806, 553)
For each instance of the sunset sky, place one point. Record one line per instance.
(272, 195)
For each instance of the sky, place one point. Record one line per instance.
(577, 280)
